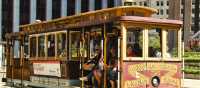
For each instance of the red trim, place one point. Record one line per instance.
(150, 20)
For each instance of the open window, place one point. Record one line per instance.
(134, 42)
(95, 41)
(74, 44)
(172, 44)
(61, 44)
(155, 43)
(41, 46)
(32, 46)
(51, 45)
(84, 44)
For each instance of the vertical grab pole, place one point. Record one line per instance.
(11, 60)
(105, 53)
(82, 43)
(22, 58)
(7, 56)
(123, 52)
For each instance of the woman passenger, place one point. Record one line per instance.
(130, 52)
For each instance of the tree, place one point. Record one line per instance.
(196, 16)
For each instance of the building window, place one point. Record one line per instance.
(158, 12)
(182, 11)
(128, 3)
(56, 8)
(193, 10)
(24, 11)
(167, 3)
(140, 3)
(145, 3)
(135, 3)
(84, 5)
(41, 10)
(157, 3)
(161, 3)
(7, 17)
(70, 7)
(161, 12)
(167, 11)
(110, 3)
(98, 4)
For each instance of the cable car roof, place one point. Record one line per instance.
(122, 13)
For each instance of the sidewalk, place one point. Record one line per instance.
(191, 83)
(2, 74)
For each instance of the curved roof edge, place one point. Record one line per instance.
(150, 10)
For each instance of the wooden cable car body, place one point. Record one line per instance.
(38, 67)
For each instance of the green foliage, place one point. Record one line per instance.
(154, 41)
(191, 71)
(192, 60)
(191, 55)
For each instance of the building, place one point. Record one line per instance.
(19, 12)
(163, 9)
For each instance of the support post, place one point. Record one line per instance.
(145, 43)
(123, 51)
(179, 43)
(164, 43)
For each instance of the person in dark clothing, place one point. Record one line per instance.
(137, 50)
(112, 67)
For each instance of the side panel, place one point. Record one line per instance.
(133, 74)
(152, 74)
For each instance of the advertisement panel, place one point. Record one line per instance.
(49, 68)
(152, 74)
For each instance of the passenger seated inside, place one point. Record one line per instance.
(153, 52)
(137, 50)
(130, 52)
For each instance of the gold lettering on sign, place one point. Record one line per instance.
(135, 83)
(171, 81)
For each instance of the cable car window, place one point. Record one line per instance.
(95, 42)
(32, 47)
(51, 45)
(41, 46)
(74, 43)
(16, 49)
(172, 43)
(155, 43)
(26, 47)
(84, 44)
(61, 45)
(134, 42)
